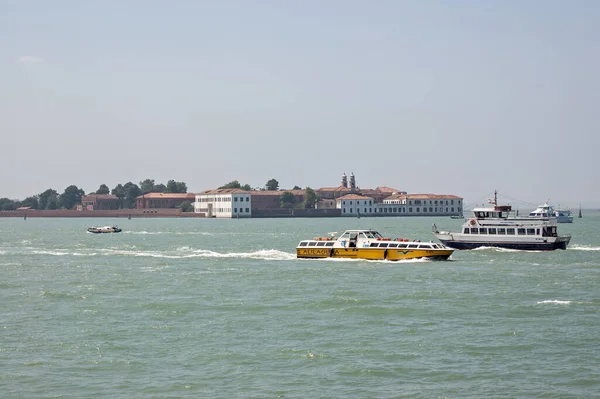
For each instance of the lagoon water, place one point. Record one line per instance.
(205, 308)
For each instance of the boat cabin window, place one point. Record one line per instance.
(402, 245)
(474, 230)
(521, 232)
(492, 230)
(373, 245)
(510, 232)
(466, 230)
(383, 245)
(346, 235)
(303, 244)
(482, 230)
(530, 232)
(321, 244)
(425, 246)
(393, 245)
(370, 234)
(329, 244)
(413, 245)
(502, 231)
(312, 244)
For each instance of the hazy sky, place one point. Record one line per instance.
(449, 97)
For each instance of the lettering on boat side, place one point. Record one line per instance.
(315, 251)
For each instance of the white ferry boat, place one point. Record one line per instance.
(498, 226)
(548, 211)
(370, 245)
(563, 216)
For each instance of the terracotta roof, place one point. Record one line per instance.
(225, 191)
(277, 192)
(338, 188)
(384, 189)
(91, 197)
(354, 197)
(168, 195)
(431, 196)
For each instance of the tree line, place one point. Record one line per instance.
(286, 199)
(71, 197)
(128, 192)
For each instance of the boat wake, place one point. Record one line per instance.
(384, 261)
(553, 302)
(583, 248)
(498, 249)
(179, 253)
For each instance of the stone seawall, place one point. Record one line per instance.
(295, 213)
(120, 213)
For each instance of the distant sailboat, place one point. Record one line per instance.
(579, 216)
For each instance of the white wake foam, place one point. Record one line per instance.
(583, 248)
(554, 302)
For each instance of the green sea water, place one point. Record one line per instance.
(205, 308)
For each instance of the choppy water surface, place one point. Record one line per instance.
(173, 308)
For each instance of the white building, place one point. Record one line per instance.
(224, 203)
(421, 205)
(355, 205)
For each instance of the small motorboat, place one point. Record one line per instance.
(104, 229)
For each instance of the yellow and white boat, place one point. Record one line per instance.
(370, 245)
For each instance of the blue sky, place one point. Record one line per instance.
(449, 97)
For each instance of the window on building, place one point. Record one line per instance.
(247, 210)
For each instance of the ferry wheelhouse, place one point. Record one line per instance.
(498, 226)
(370, 245)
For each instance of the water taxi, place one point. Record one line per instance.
(370, 245)
(104, 229)
(548, 211)
(499, 226)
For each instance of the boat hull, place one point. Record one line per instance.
(524, 246)
(391, 254)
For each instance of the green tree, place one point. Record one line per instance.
(287, 200)
(310, 198)
(32, 202)
(147, 186)
(186, 206)
(48, 199)
(6, 204)
(119, 192)
(232, 184)
(272, 185)
(176, 187)
(71, 197)
(246, 187)
(181, 187)
(296, 188)
(132, 191)
(160, 188)
(103, 189)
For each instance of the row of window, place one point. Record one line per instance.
(373, 245)
(223, 210)
(432, 202)
(546, 232)
(223, 199)
(400, 210)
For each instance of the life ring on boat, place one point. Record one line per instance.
(472, 222)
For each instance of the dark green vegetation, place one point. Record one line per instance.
(128, 192)
(71, 197)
